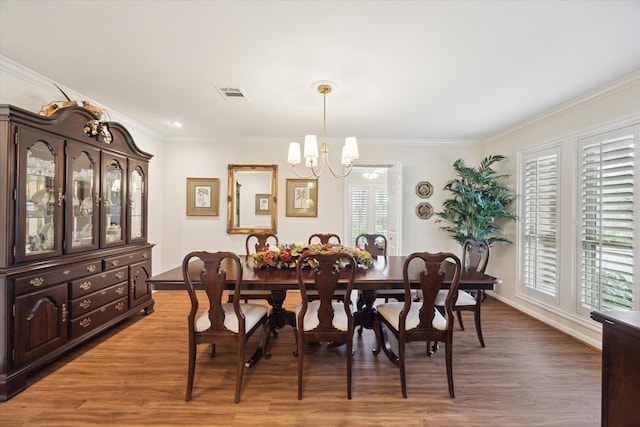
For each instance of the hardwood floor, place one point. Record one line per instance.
(528, 375)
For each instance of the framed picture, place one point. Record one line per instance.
(263, 204)
(203, 196)
(302, 197)
(424, 189)
(424, 210)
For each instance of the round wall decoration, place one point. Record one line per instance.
(424, 210)
(424, 189)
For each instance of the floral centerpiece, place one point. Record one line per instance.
(286, 255)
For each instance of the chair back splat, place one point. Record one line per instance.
(221, 323)
(475, 254)
(325, 238)
(257, 241)
(375, 244)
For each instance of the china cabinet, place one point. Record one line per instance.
(74, 255)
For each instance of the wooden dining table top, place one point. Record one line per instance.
(386, 273)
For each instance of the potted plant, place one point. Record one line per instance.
(478, 203)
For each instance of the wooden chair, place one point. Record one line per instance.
(375, 244)
(254, 243)
(324, 320)
(325, 238)
(475, 255)
(228, 323)
(420, 320)
(258, 241)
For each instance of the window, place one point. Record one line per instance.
(358, 197)
(539, 222)
(369, 209)
(607, 202)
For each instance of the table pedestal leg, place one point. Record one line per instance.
(278, 318)
(367, 313)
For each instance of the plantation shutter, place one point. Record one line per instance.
(359, 200)
(540, 223)
(381, 211)
(607, 167)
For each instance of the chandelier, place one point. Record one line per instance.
(315, 162)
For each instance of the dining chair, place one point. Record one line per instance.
(420, 320)
(375, 244)
(325, 238)
(324, 320)
(475, 255)
(221, 323)
(254, 243)
(257, 241)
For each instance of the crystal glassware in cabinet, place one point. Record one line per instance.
(40, 206)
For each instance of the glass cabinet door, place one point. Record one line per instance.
(137, 201)
(114, 188)
(83, 164)
(40, 195)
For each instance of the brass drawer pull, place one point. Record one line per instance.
(85, 322)
(37, 281)
(91, 268)
(64, 312)
(66, 272)
(85, 286)
(115, 262)
(85, 303)
(103, 293)
(120, 290)
(120, 275)
(120, 306)
(145, 255)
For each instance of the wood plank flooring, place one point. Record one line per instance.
(528, 375)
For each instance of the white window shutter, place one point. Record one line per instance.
(540, 216)
(606, 238)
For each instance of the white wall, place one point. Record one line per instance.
(204, 159)
(605, 109)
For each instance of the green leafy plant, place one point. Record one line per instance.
(478, 203)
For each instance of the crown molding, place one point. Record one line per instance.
(624, 83)
(41, 82)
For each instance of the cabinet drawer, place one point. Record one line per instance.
(97, 282)
(53, 277)
(118, 261)
(92, 301)
(99, 317)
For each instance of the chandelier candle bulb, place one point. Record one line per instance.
(350, 150)
(310, 146)
(294, 153)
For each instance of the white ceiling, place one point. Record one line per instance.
(403, 70)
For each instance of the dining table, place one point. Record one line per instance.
(385, 273)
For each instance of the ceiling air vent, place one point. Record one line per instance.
(232, 93)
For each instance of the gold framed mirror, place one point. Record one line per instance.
(245, 183)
